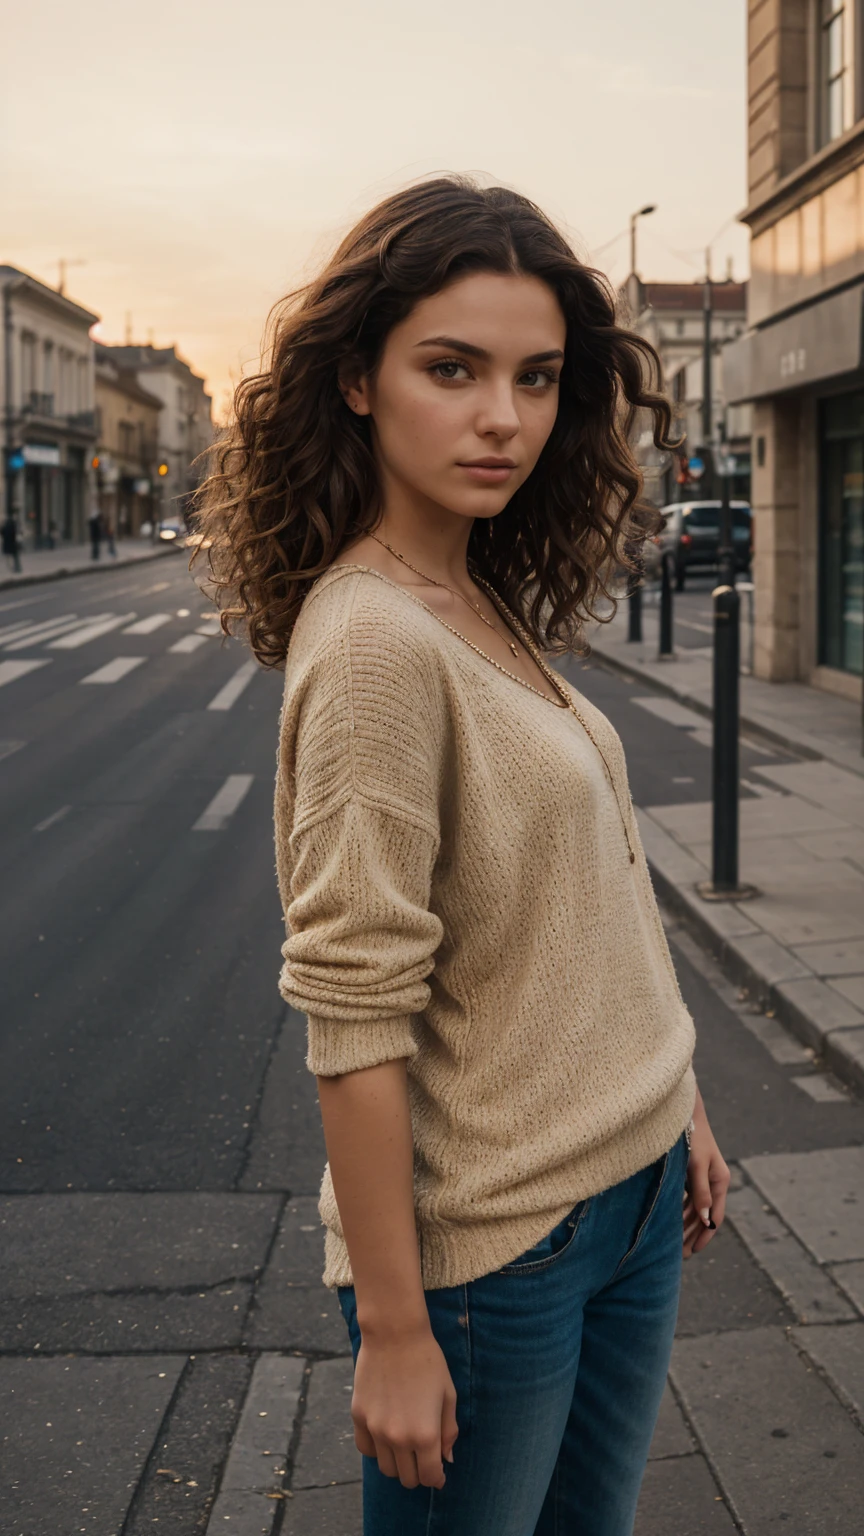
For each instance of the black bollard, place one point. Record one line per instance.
(666, 605)
(634, 614)
(724, 884)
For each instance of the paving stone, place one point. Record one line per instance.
(58, 1244)
(773, 816)
(840, 1353)
(820, 1003)
(260, 1445)
(293, 1309)
(844, 1049)
(76, 1434)
(840, 957)
(820, 1195)
(126, 1322)
(850, 987)
(822, 782)
(848, 844)
(771, 961)
(808, 1290)
(805, 911)
(851, 1278)
(677, 863)
(671, 1435)
(288, 1150)
(324, 1512)
(681, 1498)
(327, 1453)
(722, 1287)
(182, 1474)
(782, 1446)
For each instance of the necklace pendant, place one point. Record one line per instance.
(513, 648)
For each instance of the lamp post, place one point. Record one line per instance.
(649, 208)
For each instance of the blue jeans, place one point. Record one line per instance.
(559, 1360)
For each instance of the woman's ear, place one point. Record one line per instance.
(353, 387)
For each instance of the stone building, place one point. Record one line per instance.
(47, 403)
(127, 423)
(800, 362)
(185, 422)
(671, 317)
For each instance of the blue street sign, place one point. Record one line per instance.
(696, 467)
(16, 460)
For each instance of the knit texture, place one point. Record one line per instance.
(457, 890)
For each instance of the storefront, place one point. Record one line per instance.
(841, 532)
(53, 494)
(804, 374)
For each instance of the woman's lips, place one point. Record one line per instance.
(486, 474)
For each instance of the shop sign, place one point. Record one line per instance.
(141, 487)
(41, 453)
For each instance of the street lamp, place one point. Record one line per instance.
(649, 208)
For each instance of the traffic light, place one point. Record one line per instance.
(163, 469)
(95, 462)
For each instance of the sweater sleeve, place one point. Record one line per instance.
(361, 752)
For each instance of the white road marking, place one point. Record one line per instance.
(15, 631)
(90, 632)
(212, 628)
(234, 687)
(187, 643)
(8, 747)
(10, 670)
(45, 632)
(821, 1088)
(224, 803)
(147, 626)
(114, 670)
(50, 820)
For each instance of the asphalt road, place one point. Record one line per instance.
(140, 951)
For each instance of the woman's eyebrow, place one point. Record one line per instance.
(472, 351)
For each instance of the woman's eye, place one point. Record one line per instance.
(543, 376)
(450, 363)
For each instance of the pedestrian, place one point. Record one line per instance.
(109, 534)
(424, 493)
(11, 536)
(94, 523)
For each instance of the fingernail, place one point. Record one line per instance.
(713, 1225)
(706, 1216)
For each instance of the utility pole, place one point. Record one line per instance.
(649, 208)
(707, 404)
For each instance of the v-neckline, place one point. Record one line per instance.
(510, 619)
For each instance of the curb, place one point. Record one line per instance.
(749, 726)
(841, 1046)
(64, 571)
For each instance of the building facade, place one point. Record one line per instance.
(127, 449)
(48, 410)
(185, 421)
(672, 317)
(800, 363)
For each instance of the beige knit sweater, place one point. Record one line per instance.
(457, 890)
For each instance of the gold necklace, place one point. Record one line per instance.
(527, 641)
(454, 590)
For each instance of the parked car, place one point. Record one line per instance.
(692, 536)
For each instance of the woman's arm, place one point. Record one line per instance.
(707, 1185)
(404, 1403)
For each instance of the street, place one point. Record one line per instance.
(168, 1353)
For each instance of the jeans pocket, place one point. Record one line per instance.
(550, 1247)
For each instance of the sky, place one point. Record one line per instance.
(194, 162)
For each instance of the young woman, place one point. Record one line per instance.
(426, 493)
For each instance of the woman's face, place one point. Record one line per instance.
(471, 374)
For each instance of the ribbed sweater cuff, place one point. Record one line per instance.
(335, 1046)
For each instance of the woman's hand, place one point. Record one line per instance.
(404, 1406)
(707, 1183)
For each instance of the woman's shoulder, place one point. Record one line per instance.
(373, 626)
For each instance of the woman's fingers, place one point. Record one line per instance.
(363, 1440)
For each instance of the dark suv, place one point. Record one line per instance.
(692, 536)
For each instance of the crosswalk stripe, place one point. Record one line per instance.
(11, 632)
(42, 826)
(8, 747)
(224, 803)
(10, 670)
(186, 644)
(90, 632)
(147, 626)
(114, 670)
(50, 632)
(234, 687)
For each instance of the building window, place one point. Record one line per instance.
(835, 18)
(28, 366)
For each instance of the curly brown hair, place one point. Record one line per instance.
(294, 479)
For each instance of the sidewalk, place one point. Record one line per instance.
(798, 947)
(76, 560)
